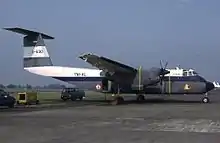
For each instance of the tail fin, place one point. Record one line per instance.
(35, 50)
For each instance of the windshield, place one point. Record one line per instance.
(190, 73)
(195, 73)
(185, 73)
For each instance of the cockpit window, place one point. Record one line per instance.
(185, 73)
(195, 73)
(190, 73)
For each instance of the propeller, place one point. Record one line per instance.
(163, 71)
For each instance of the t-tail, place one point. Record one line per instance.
(35, 50)
(36, 60)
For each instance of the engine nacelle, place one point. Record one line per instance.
(150, 82)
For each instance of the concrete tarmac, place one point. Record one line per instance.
(155, 121)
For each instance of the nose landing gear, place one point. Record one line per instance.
(205, 99)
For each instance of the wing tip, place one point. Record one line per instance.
(84, 56)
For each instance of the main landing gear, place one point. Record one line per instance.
(205, 99)
(117, 100)
(120, 100)
(140, 97)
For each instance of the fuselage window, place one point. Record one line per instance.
(184, 73)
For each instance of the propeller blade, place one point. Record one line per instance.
(163, 71)
(166, 65)
(161, 65)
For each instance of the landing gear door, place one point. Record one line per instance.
(106, 85)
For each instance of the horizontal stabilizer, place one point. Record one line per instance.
(29, 32)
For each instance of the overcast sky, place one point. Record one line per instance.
(135, 32)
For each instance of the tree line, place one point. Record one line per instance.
(27, 86)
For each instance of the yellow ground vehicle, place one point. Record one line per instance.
(27, 98)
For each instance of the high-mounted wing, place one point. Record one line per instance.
(115, 70)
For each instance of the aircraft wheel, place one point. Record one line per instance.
(117, 101)
(140, 98)
(205, 100)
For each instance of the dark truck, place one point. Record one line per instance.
(72, 93)
(6, 99)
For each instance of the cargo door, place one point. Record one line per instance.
(191, 87)
(184, 87)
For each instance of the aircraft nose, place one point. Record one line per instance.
(209, 86)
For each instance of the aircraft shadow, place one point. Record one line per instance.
(147, 101)
(100, 102)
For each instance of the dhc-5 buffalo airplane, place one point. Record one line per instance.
(116, 78)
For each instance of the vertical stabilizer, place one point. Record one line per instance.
(35, 50)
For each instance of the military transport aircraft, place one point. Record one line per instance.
(121, 78)
(115, 77)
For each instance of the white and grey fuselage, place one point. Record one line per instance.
(37, 60)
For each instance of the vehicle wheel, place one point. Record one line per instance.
(64, 99)
(205, 100)
(11, 106)
(81, 98)
(73, 99)
(37, 102)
